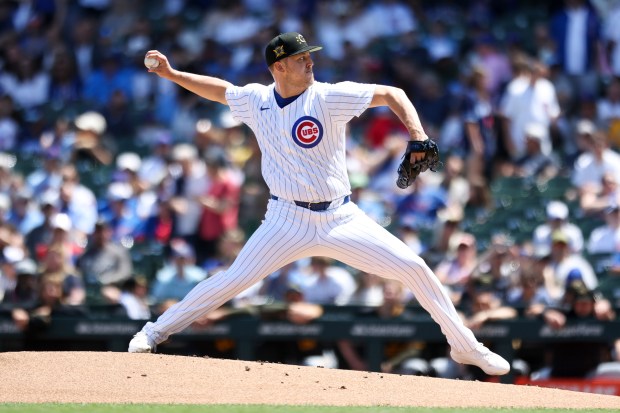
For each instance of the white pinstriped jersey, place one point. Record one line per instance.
(302, 144)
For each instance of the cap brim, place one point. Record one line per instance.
(307, 49)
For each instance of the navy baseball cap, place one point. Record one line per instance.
(285, 45)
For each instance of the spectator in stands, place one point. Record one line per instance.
(9, 257)
(609, 286)
(85, 46)
(408, 232)
(446, 228)
(423, 202)
(133, 298)
(606, 238)
(455, 270)
(398, 357)
(109, 77)
(104, 262)
(565, 265)
(50, 303)
(530, 297)
(49, 177)
(179, 275)
(29, 85)
(41, 235)
(529, 98)
(65, 84)
(576, 359)
(220, 207)
(576, 32)
(154, 166)
(328, 284)
(500, 265)
(78, 202)
(297, 310)
(382, 124)
(143, 199)
(9, 124)
(487, 54)
(24, 213)
(62, 237)
(485, 305)
(557, 219)
(158, 227)
(26, 288)
(454, 182)
(118, 213)
(57, 265)
(480, 202)
(596, 199)
(276, 285)
(369, 291)
(608, 109)
(610, 14)
(597, 160)
(254, 191)
(535, 163)
(230, 244)
(90, 143)
(190, 183)
(480, 126)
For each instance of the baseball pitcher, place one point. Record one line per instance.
(300, 127)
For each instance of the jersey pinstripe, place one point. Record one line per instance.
(292, 169)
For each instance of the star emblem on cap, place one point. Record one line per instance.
(279, 51)
(300, 39)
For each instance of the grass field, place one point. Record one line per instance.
(168, 408)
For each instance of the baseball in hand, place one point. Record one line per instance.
(151, 62)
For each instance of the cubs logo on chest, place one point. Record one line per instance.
(307, 132)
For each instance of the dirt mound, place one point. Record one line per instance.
(84, 377)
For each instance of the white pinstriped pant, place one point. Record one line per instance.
(344, 233)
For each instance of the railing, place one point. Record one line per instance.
(113, 334)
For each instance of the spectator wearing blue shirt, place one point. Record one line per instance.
(119, 215)
(110, 78)
(179, 275)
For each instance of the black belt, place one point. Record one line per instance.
(315, 206)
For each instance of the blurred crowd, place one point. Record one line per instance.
(117, 187)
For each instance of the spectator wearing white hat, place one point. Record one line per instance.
(63, 237)
(89, 140)
(10, 256)
(557, 219)
(190, 183)
(535, 163)
(143, 200)
(118, 213)
(26, 287)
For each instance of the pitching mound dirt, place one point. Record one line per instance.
(83, 377)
